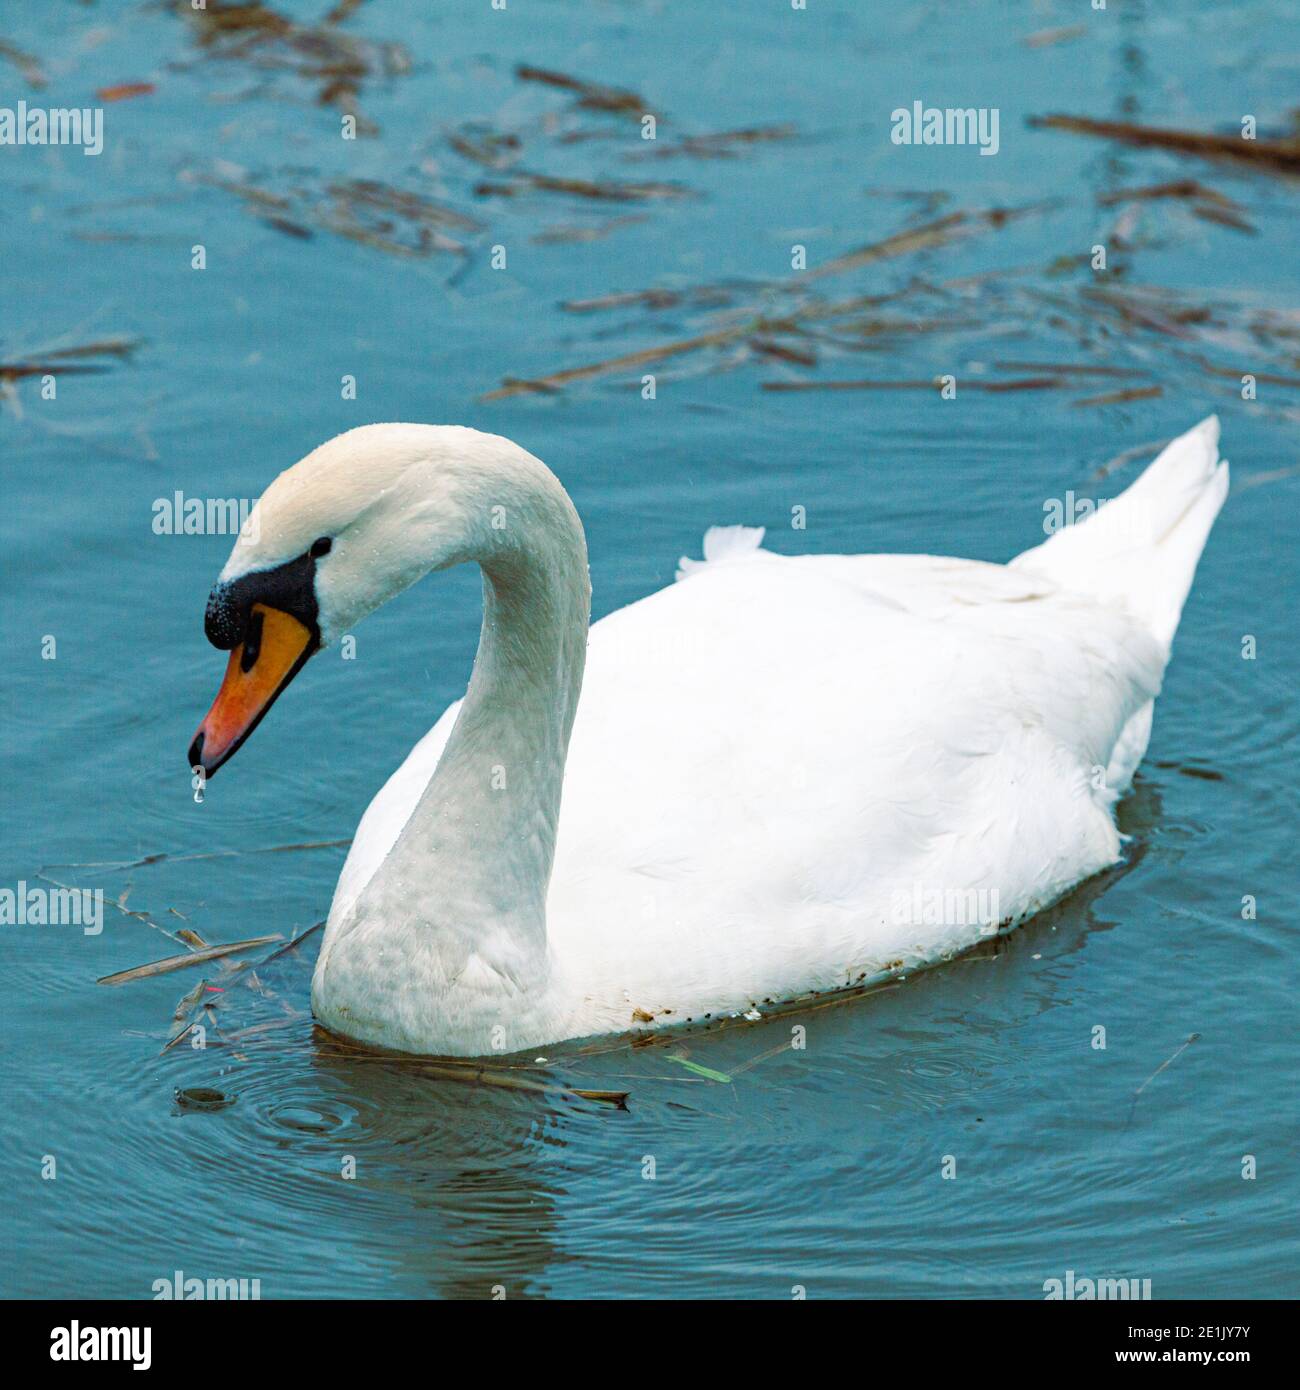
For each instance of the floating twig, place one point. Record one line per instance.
(1071, 368)
(935, 233)
(27, 64)
(65, 360)
(124, 91)
(1275, 155)
(604, 190)
(514, 386)
(170, 963)
(1133, 393)
(293, 944)
(591, 95)
(1236, 374)
(1032, 383)
(489, 148)
(1175, 188)
(1047, 38)
(125, 911)
(725, 144)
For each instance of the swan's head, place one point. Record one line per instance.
(335, 536)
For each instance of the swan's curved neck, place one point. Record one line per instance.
(474, 860)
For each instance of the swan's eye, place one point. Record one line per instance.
(252, 641)
(320, 547)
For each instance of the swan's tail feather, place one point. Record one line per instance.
(723, 543)
(1142, 548)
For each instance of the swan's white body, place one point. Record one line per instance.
(786, 774)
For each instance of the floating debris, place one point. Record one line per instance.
(769, 347)
(294, 943)
(183, 962)
(293, 229)
(1071, 368)
(483, 145)
(177, 1038)
(125, 91)
(1169, 1061)
(591, 95)
(256, 34)
(706, 1072)
(549, 235)
(936, 383)
(30, 66)
(1175, 188)
(1225, 217)
(53, 361)
(767, 324)
(1281, 155)
(936, 233)
(344, 10)
(377, 214)
(602, 190)
(187, 1002)
(554, 381)
(118, 906)
(1048, 38)
(724, 144)
(369, 211)
(1237, 373)
(1159, 317)
(1133, 393)
(710, 296)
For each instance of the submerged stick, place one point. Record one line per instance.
(1169, 1061)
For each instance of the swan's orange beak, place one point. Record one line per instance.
(274, 650)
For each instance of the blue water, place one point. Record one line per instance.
(820, 1168)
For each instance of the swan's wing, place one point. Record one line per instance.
(767, 753)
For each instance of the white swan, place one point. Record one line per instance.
(785, 774)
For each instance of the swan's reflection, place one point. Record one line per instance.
(457, 1171)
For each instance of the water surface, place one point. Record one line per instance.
(820, 1168)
